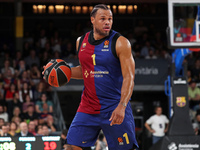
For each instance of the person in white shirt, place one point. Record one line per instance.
(3, 114)
(157, 125)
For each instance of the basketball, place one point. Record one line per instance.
(57, 72)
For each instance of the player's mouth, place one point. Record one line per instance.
(106, 28)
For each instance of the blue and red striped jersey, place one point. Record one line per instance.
(101, 73)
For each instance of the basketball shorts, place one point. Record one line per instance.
(85, 129)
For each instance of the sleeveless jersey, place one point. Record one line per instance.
(101, 73)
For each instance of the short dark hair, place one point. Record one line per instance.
(97, 7)
(157, 108)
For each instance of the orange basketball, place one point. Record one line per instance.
(57, 72)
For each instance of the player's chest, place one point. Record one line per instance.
(95, 55)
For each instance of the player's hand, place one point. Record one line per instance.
(43, 71)
(117, 116)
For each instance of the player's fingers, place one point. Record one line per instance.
(113, 122)
(111, 118)
(118, 120)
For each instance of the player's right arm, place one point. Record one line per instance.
(76, 72)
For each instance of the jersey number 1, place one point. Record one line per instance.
(126, 137)
(93, 57)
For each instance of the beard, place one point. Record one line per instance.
(101, 33)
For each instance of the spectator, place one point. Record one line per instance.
(13, 128)
(43, 115)
(7, 67)
(63, 138)
(8, 79)
(56, 55)
(17, 120)
(4, 131)
(45, 130)
(25, 78)
(157, 41)
(25, 90)
(35, 73)
(159, 125)
(69, 50)
(30, 115)
(16, 60)
(189, 76)
(166, 55)
(3, 114)
(39, 130)
(140, 28)
(39, 90)
(145, 49)
(47, 49)
(50, 123)
(32, 59)
(27, 102)
(196, 123)
(39, 104)
(21, 67)
(45, 58)
(26, 49)
(16, 102)
(28, 38)
(196, 70)
(24, 130)
(151, 55)
(17, 112)
(193, 95)
(10, 92)
(43, 39)
(31, 127)
(2, 100)
(2, 122)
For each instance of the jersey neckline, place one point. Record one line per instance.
(92, 41)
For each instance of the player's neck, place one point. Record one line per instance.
(98, 36)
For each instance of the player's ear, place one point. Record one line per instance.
(92, 19)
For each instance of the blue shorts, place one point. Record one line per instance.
(85, 129)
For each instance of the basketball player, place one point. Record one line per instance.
(107, 68)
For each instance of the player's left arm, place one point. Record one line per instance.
(123, 50)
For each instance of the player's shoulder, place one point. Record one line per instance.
(80, 40)
(122, 45)
(122, 40)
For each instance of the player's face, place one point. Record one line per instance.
(102, 22)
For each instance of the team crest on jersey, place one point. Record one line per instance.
(84, 45)
(106, 43)
(120, 140)
(180, 101)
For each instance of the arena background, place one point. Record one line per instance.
(53, 26)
